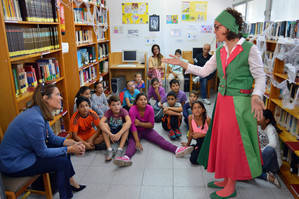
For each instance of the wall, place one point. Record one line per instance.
(167, 43)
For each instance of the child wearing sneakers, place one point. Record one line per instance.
(82, 125)
(199, 123)
(193, 96)
(172, 118)
(115, 125)
(142, 117)
(98, 100)
(180, 95)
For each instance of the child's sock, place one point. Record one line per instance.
(228, 189)
(109, 149)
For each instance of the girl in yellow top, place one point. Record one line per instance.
(156, 67)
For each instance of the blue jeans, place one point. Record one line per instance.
(203, 85)
(270, 161)
(61, 165)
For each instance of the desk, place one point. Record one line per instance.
(128, 72)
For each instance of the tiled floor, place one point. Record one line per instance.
(157, 174)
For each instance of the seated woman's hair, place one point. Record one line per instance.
(40, 91)
(174, 81)
(154, 80)
(178, 51)
(81, 99)
(268, 115)
(82, 90)
(171, 93)
(113, 98)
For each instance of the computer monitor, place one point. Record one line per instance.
(129, 56)
(196, 51)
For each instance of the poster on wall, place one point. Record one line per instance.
(118, 30)
(206, 28)
(193, 11)
(135, 13)
(133, 33)
(172, 19)
(154, 23)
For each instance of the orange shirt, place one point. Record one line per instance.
(83, 126)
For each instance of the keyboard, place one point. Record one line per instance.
(126, 65)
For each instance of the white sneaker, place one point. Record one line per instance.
(206, 101)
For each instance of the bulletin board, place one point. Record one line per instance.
(193, 11)
(135, 13)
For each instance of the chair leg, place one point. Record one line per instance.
(47, 184)
(208, 88)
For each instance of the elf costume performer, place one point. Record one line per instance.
(231, 147)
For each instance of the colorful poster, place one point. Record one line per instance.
(135, 13)
(172, 19)
(194, 11)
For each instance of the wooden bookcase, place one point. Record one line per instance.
(71, 58)
(272, 101)
(11, 105)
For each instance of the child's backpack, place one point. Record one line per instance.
(158, 113)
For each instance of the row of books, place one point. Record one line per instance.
(100, 33)
(30, 10)
(287, 121)
(104, 67)
(87, 75)
(279, 29)
(58, 128)
(83, 36)
(22, 41)
(83, 16)
(103, 50)
(86, 55)
(101, 18)
(28, 75)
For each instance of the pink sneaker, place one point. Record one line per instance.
(183, 150)
(122, 161)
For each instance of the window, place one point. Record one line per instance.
(284, 10)
(255, 11)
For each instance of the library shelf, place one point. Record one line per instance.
(38, 54)
(57, 117)
(294, 112)
(31, 22)
(91, 82)
(83, 24)
(87, 66)
(284, 76)
(103, 41)
(86, 44)
(104, 74)
(103, 59)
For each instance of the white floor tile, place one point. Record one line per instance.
(156, 192)
(158, 177)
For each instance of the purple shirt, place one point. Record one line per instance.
(116, 121)
(151, 93)
(180, 97)
(148, 117)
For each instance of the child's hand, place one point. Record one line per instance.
(137, 122)
(257, 107)
(116, 137)
(139, 146)
(196, 136)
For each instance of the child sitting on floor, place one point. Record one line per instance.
(83, 91)
(180, 95)
(98, 100)
(193, 96)
(130, 95)
(157, 92)
(82, 123)
(198, 126)
(115, 125)
(172, 118)
(270, 147)
(139, 83)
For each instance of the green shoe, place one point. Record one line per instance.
(215, 196)
(212, 185)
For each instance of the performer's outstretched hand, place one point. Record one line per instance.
(175, 61)
(257, 107)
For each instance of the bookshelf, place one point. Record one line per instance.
(42, 53)
(87, 59)
(274, 103)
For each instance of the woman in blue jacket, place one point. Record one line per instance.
(24, 150)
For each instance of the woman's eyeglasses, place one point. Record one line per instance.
(216, 27)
